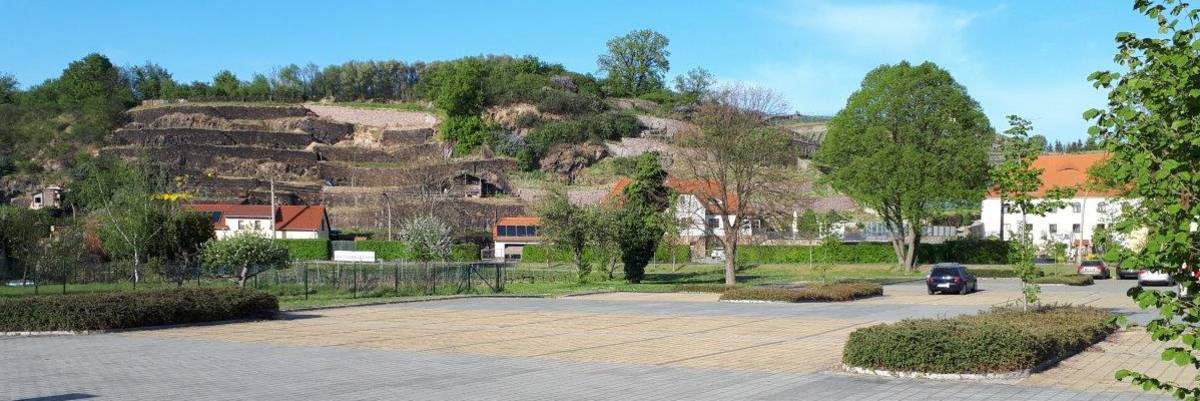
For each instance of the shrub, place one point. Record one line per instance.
(1068, 279)
(307, 249)
(1001, 340)
(834, 292)
(994, 273)
(467, 133)
(567, 103)
(119, 310)
(385, 250)
(464, 252)
(965, 251)
(539, 253)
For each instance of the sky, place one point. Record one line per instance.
(1024, 57)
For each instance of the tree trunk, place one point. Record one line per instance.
(242, 277)
(731, 243)
(137, 264)
(914, 240)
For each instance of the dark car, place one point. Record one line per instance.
(1094, 268)
(947, 277)
(1126, 272)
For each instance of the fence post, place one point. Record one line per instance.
(396, 278)
(354, 286)
(305, 282)
(66, 276)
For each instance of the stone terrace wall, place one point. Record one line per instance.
(227, 160)
(147, 115)
(425, 152)
(406, 136)
(237, 190)
(462, 213)
(181, 136)
(341, 174)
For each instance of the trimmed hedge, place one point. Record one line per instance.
(1002, 340)
(834, 292)
(120, 310)
(307, 249)
(964, 251)
(1068, 279)
(538, 254)
(385, 250)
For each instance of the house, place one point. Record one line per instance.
(511, 234)
(471, 185)
(1075, 223)
(697, 219)
(49, 198)
(290, 221)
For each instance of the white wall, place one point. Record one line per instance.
(1092, 212)
(262, 227)
(692, 217)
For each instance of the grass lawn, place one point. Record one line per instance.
(402, 106)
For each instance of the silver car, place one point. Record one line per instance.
(1155, 277)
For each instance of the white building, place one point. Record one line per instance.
(291, 221)
(1073, 224)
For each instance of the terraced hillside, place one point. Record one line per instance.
(359, 163)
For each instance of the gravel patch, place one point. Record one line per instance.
(374, 117)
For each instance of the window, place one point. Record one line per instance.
(1076, 207)
(1075, 228)
(1054, 228)
(712, 222)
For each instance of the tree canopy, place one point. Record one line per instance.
(910, 140)
(636, 62)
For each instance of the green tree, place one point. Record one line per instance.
(640, 219)
(566, 226)
(245, 254)
(259, 88)
(1151, 128)
(694, 85)
(457, 87)
(151, 81)
(226, 85)
(606, 237)
(908, 141)
(23, 230)
(1017, 182)
(636, 62)
(95, 90)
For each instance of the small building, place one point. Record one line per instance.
(698, 218)
(49, 198)
(291, 221)
(1089, 210)
(511, 234)
(471, 185)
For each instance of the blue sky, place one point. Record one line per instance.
(1015, 57)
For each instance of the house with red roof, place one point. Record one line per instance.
(511, 234)
(284, 222)
(1092, 208)
(697, 212)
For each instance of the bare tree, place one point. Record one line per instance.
(739, 164)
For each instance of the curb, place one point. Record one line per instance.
(408, 301)
(1005, 376)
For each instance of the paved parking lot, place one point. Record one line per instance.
(624, 345)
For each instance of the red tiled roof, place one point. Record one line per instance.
(704, 190)
(1068, 170)
(287, 217)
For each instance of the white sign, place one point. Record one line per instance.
(354, 256)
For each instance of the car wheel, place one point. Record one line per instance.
(930, 291)
(964, 289)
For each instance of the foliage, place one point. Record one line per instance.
(998, 341)
(641, 215)
(466, 132)
(540, 253)
(244, 255)
(24, 229)
(592, 128)
(694, 85)
(567, 226)
(428, 238)
(568, 104)
(908, 141)
(307, 249)
(129, 309)
(963, 251)
(1150, 130)
(833, 292)
(457, 87)
(606, 237)
(636, 62)
(465, 252)
(703, 287)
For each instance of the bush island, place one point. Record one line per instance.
(834, 292)
(1002, 340)
(1068, 279)
(703, 287)
(119, 310)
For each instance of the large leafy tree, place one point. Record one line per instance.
(1151, 127)
(567, 226)
(909, 141)
(151, 81)
(636, 62)
(457, 86)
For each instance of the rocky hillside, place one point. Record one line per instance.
(354, 161)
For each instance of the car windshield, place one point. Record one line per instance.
(944, 271)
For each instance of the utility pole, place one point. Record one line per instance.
(389, 215)
(272, 207)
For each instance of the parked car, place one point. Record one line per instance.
(950, 277)
(1127, 272)
(1094, 268)
(1155, 277)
